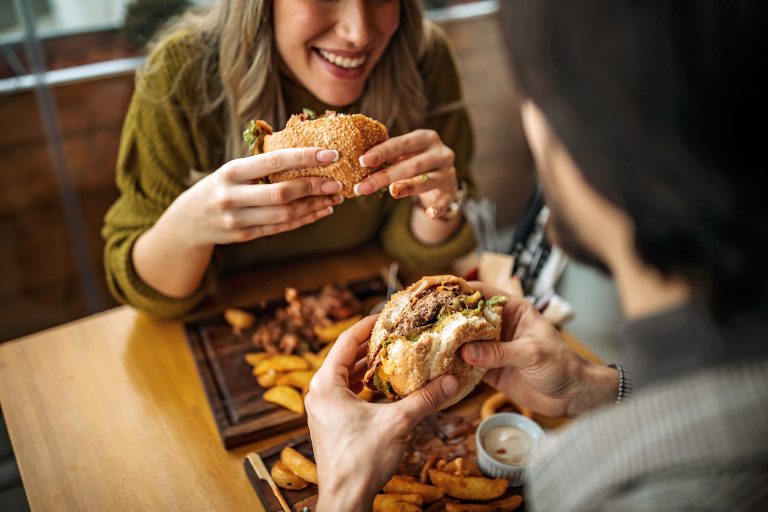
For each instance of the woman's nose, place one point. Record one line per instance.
(354, 23)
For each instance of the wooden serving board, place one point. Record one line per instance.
(466, 411)
(297, 499)
(235, 398)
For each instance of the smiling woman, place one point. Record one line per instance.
(188, 194)
(331, 47)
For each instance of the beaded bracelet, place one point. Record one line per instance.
(625, 383)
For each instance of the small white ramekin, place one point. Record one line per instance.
(493, 468)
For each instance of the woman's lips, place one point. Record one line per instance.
(349, 66)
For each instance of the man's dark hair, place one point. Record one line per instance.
(661, 105)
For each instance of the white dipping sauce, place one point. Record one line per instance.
(508, 445)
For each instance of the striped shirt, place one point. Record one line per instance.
(697, 440)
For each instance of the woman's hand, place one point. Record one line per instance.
(226, 206)
(357, 444)
(536, 368)
(422, 166)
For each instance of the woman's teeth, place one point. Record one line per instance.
(343, 62)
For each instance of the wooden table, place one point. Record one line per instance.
(108, 414)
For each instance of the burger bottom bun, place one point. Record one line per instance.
(435, 353)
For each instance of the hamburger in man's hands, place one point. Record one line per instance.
(350, 134)
(418, 335)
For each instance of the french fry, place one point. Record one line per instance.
(255, 357)
(298, 379)
(315, 360)
(299, 465)
(267, 380)
(502, 505)
(408, 485)
(329, 333)
(280, 363)
(239, 319)
(387, 501)
(286, 478)
(285, 396)
(469, 487)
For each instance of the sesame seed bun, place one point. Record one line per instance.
(350, 134)
(419, 332)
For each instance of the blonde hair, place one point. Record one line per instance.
(234, 40)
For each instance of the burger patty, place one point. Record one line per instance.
(426, 310)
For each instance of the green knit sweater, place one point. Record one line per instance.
(165, 136)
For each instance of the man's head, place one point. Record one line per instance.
(638, 116)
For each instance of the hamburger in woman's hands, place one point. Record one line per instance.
(350, 134)
(419, 332)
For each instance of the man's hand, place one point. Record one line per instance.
(357, 444)
(536, 368)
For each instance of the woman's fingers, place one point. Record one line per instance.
(429, 154)
(246, 234)
(413, 142)
(442, 179)
(244, 218)
(434, 160)
(241, 196)
(243, 170)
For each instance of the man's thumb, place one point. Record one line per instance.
(429, 398)
(486, 354)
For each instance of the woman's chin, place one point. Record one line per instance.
(338, 96)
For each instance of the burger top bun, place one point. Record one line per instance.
(418, 334)
(350, 134)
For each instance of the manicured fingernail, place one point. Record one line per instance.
(474, 352)
(327, 155)
(327, 211)
(369, 160)
(331, 187)
(432, 212)
(363, 188)
(449, 385)
(337, 199)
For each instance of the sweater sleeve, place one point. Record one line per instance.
(157, 151)
(448, 116)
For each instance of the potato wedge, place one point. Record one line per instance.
(286, 478)
(285, 396)
(329, 333)
(367, 394)
(280, 363)
(267, 380)
(502, 505)
(385, 501)
(298, 464)
(408, 485)
(298, 379)
(401, 506)
(255, 357)
(472, 488)
(239, 319)
(315, 361)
